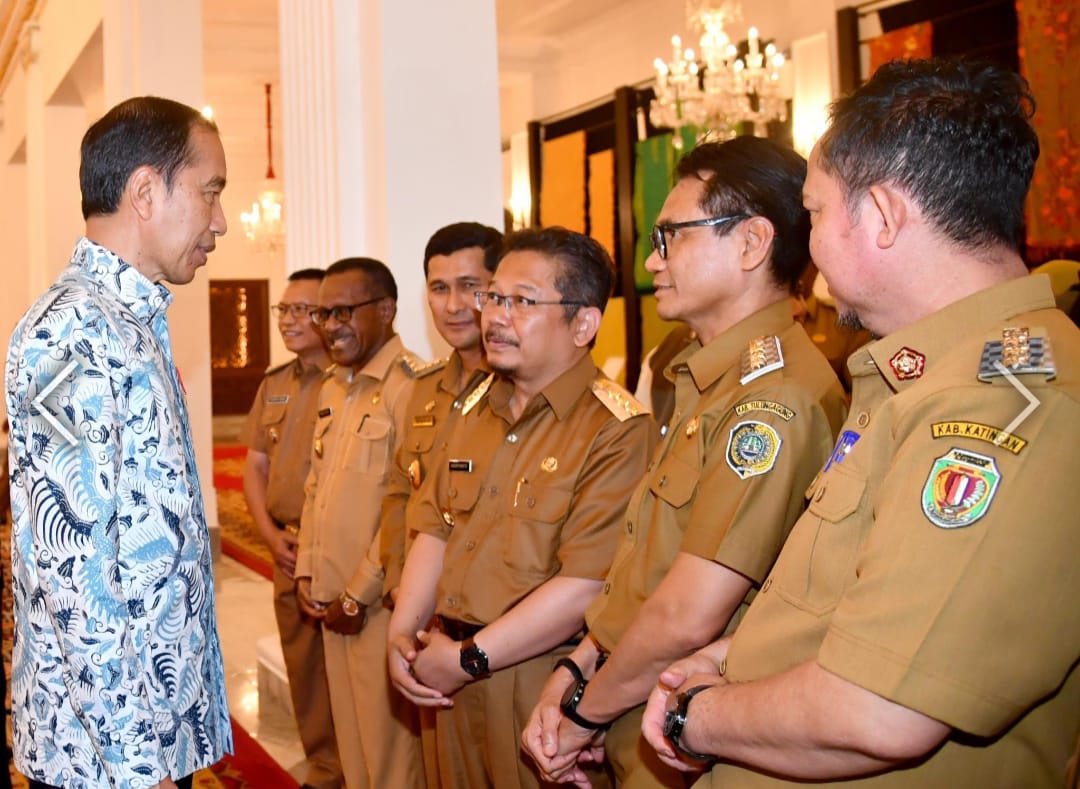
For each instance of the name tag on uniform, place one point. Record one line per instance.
(461, 465)
(278, 400)
(427, 420)
(325, 412)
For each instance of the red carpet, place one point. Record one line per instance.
(239, 538)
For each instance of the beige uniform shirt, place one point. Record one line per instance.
(935, 567)
(431, 411)
(520, 502)
(696, 497)
(279, 425)
(358, 427)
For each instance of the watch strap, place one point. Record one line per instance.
(682, 709)
(569, 709)
(570, 666)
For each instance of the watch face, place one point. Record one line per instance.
(474, 661)
(672, 725)
(350, 606)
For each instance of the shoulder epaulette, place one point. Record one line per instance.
(1020, 350)
(476, 394)
(417, 367)
(762, 356)
(616, 399)
(278, 367)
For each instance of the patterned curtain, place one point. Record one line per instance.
(1049, 35)
(905, 43)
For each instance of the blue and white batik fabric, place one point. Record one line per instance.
(117, 676)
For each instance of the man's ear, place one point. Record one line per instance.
(387, 311)
(757, 237)
(585, 323)
(890, 211)
(140, 191)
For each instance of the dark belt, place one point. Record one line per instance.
(458, 630)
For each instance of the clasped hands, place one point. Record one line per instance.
(332, 614)
(426, 670)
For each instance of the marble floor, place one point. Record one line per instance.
(245, 614)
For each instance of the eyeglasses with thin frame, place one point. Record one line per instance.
(295, 310)
(342, 313)
(659, 234)
(515, 304)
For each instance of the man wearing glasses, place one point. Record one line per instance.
(278, 437)
(358, 428)
(756, 410)
(518, 527)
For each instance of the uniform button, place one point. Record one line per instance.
(493, 491)
(766, 585)
(530, 502)
(863, 419)
(512, 438)
(663, 481)
(470, 545)
(629, 527)
(607, 588)
(452, 602)
(452, 493)
(819, 493)
(417, 446)
(723, 667)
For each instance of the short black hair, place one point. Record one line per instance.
(305, 274)
(464, 235)
(375, 270)
(145, 130)
(954, 133)
(586, 274)
(755, 176)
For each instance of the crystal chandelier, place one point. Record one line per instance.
(264, 224)
(722, 85)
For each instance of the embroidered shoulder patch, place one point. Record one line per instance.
(617, 400)
(771, 406)
(960, 488)
(752, 449)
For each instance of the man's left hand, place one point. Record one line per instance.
(662, 699)
(338, 621)
(438, 663)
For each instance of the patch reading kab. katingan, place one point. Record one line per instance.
(752, 449)
(960, 488)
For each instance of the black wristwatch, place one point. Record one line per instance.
(675, 722)
(474, 660)
(572, 697)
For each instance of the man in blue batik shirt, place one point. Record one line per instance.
(117, 677)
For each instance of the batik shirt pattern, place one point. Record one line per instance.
(117, 675)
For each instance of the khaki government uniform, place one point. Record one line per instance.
(544, 498)
(692, 500)
(280, 425)
(360, 421)
(934, 567)
(430, 414)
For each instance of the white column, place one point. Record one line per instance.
(397, 134)
(156, 48)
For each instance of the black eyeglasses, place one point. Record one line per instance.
(659, 234)
(514, 304)
(341, 313)
(295, 310)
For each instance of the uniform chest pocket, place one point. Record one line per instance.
(674, 481)
(531, 544)
(274, 414)
(368, 446)
(463, 490)
(419, 439)
(819, 556)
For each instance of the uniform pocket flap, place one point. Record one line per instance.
(543, 503)
(274, 413)
(837, 494)
(674, 481)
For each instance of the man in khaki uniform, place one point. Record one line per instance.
(920, 627)
(518, 527)
(278, 437)
(458, 261)
(756, 412)
(359, 423)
